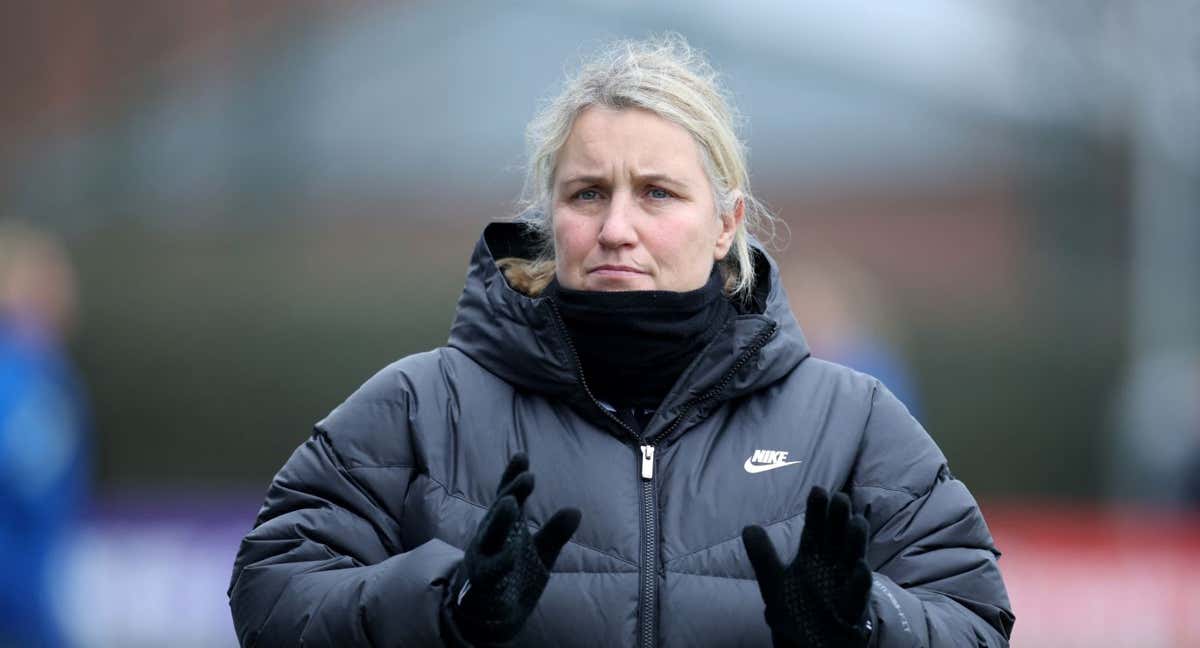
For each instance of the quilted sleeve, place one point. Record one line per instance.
(936, 578)
(324, 564)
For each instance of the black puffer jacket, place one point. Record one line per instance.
(365, 523)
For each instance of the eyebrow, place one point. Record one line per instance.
(643, 178)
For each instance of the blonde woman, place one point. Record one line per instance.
(700, 479)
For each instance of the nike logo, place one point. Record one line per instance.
(764, 460)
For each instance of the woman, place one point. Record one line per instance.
(629, 345)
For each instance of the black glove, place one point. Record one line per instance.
(820, 600)
(505, 569)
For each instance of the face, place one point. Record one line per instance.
(632, 206)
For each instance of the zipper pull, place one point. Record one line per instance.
(647, 462)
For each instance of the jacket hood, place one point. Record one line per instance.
(520, 338)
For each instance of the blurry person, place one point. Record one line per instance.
(42, 466)
(701, 480)
(845, 318)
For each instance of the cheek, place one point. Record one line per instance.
(683, 249)
(573, 238)
(684, 243)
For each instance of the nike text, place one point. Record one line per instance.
(763, 460)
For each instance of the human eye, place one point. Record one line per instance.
(658, 193)
(587, 195)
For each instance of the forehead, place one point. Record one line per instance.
(631, 140)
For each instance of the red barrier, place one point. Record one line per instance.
(1092, 577)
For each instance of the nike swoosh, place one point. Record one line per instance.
(757, 468)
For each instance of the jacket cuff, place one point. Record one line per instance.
(896, 617)
(451, 635)
(402, 598)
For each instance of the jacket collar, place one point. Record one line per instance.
(520, 338)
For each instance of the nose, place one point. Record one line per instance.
(618, 227)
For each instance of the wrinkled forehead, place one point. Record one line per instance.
(629, 142)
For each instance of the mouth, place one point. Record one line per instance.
(615, 271)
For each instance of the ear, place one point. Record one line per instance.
(730, 222)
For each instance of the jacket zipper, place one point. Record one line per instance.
(648, 569)
(648, 552)
(647, 593)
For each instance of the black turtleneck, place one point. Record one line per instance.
(633, 345)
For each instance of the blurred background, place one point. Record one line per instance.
(219, 218)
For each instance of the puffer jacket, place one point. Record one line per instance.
(365, 523)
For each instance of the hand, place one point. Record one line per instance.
(505, 569)
(820, 600)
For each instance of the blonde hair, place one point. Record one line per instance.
(670, 78)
